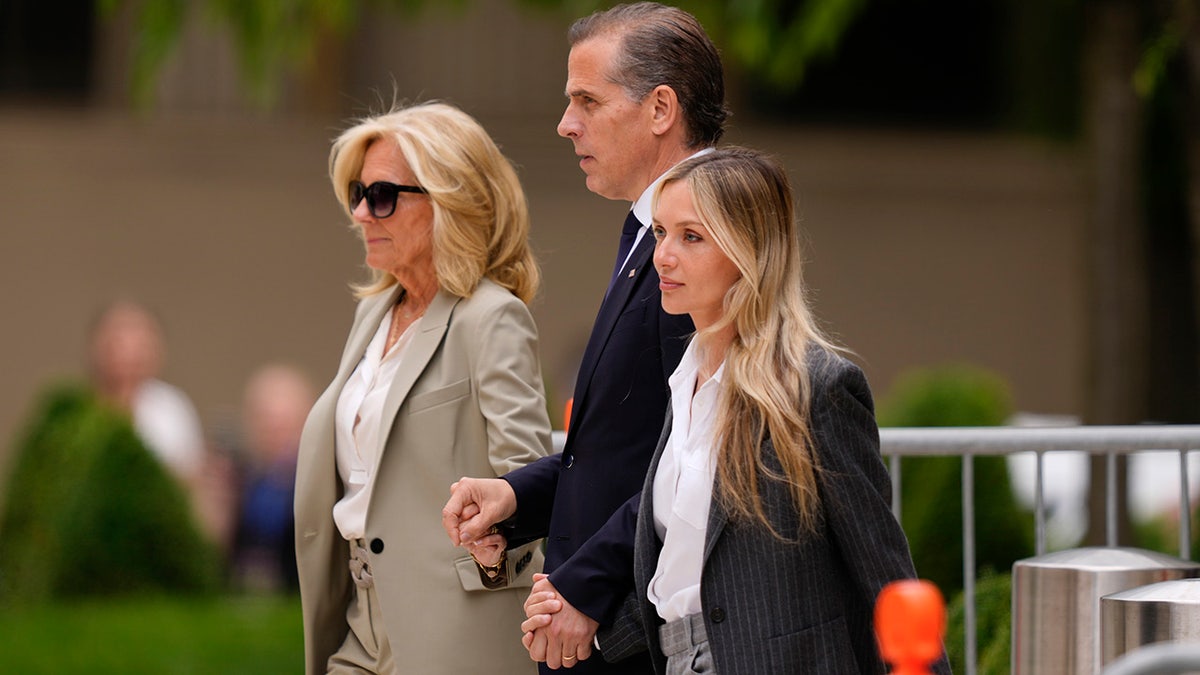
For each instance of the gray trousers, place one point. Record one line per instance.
(685, 644)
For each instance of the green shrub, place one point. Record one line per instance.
(931, 487)
(993, 625)
(946, 396)
(90, 511)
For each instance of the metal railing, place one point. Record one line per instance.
(969, 442)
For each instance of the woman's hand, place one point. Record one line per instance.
(555, 632)
(488, 549)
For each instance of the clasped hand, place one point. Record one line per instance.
(471, 514)
(555, 631)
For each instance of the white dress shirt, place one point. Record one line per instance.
(359, 431)
(682, 490)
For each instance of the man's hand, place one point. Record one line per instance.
(555, 631)
(475, 505)
(487, 550)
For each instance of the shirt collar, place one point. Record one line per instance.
(641, 208)
(683, 380)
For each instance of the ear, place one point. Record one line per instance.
(664, 110)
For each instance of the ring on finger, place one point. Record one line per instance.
(569, 658)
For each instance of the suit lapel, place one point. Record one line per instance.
(316, 469)
(363, 332)
(366, 324)
(417, 355)
(651, 544)
(716, 523)
(622, 288)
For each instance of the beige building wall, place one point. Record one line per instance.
(924, 249)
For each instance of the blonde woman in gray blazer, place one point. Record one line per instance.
(764, 532)
(439, 379)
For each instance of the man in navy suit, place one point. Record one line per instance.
(645, 91)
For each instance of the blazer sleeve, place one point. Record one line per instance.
(597, 577)
(510, 387)
(626, 635)
(856, 488)
(534, 485)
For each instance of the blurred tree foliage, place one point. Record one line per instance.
(270, 36)
(774, 39)
(91, 512)
(931, 487)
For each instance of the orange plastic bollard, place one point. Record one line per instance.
(910, 621)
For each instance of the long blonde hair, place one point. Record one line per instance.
(480, 214)
(744, 200)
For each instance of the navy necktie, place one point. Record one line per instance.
(628, 234)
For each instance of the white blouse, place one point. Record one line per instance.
(682, 490)
(359, 429)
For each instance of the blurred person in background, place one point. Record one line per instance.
(439, 378)
(125, 359)
(126, 353)
(275, 404)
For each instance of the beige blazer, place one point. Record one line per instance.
(468, 401)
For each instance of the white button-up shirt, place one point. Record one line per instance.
(682, 491)
(359, 431)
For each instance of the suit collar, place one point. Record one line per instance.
(418, 354)
(641, 207)
(373, 310)
(317, 475)
(627, 278)
(610, 309)
(639, 262)
(316, 467)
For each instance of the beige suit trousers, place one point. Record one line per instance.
(366, 648)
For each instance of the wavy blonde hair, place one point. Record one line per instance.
(480, 213)
(744, 200)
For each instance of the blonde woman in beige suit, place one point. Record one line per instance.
(439, 379)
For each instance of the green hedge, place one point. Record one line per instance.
(91, 512)
(154, 636)
(993, 626)
(931, 487)
(931, 505)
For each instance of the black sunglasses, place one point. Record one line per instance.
(380, 195)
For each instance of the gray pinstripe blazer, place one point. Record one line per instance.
(800, 606)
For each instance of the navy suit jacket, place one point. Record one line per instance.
(804, 605)
(621, 395)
